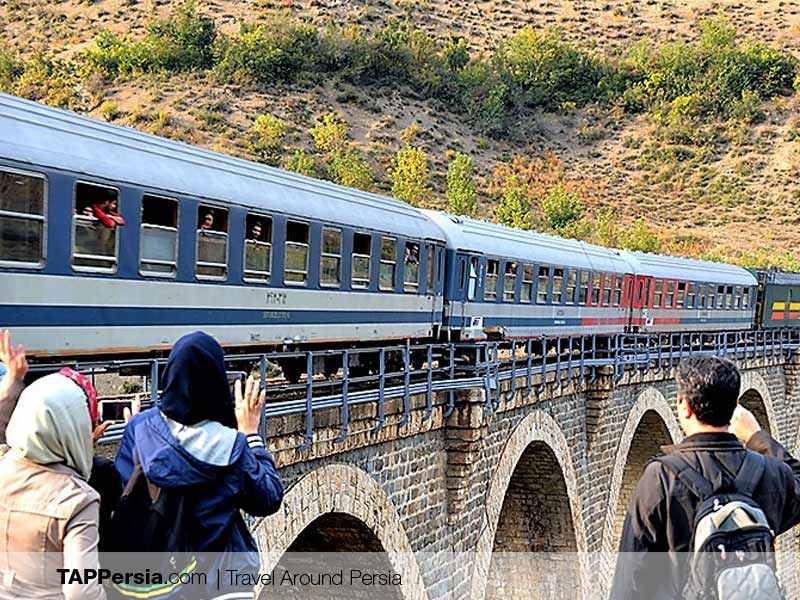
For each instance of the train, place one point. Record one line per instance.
(262, 258)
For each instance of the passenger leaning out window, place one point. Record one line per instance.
(103, 206)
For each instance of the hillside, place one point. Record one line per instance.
(680, 172)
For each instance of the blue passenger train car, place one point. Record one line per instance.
(254, 255)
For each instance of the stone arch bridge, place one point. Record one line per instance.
(441, 498)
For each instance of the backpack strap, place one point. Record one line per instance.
(750, 473)
(687, 474)
(138, 473)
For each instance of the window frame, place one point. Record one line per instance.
(271, 244)
(571, 282)
(392, 263)
(527, 267)
(200, 276)
(617, 290)
(412, 287)
(323, 254)
(157, 274)
(82, 268)
(608, 289)
(746, 297)
(473, 278)
(44, 218)
(353, 256)
(584, 287)
(547, 282)
(513, 276)
(557, 296)
(286, 243)
(490, 292)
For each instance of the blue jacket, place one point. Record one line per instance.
(224, 471)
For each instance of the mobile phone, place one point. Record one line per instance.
(234, 376)
(114, 410)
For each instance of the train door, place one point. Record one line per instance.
(640, 301)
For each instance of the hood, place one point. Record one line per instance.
(176, 455)
(51, 425)
(195, 383)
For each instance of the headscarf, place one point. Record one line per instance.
(51, 425)
(195, 382)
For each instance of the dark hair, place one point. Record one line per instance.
(710, 385)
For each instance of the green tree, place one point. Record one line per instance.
(562, 208)
(267, 136)
(301, 162)
(329, 132)
(640, 237)
(348, 166)
(409, 175)
(462, 195)
(514, 207)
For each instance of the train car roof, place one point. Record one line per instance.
(675, 267)
(47, 137)
(498, 240)
(783, 278)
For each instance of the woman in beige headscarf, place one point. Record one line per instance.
(48, 511)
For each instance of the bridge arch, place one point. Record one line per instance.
(756, 398)
(537, 437)
(348, 497)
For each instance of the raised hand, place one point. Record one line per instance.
(249, 405)
(13, 358)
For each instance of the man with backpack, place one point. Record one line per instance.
(703, 518)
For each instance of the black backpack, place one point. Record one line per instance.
(150, 530)
(732, 554)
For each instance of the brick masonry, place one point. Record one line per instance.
(549, 471)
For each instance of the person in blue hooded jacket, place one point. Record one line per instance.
(199, 442)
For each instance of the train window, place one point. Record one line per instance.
(158, 239)
(362, 250)
(386, 279)
(701, 295)
(657, 292)
(597, 282)
(618, 290)
(526, 293)
(669, 294)
(257, 248)
(541, 286)
(22, 219)
(746, 298)
(330, 262)
(429, 266)
(691, 295)
(212, 242)
(510, 282)
(712, 297)
(737, 297)
(472, 283)
(721, 297)
(586, 282)
(94, 241)
(572, 286)
(295, 262)
(492, 272)
(608, 286)
(411, 267)
(681, 296)
(558, 285)
(729, 297)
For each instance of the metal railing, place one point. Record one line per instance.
(352, 377)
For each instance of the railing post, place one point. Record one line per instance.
(543, 382)
(429, 396)
(345, 394)
(451, 394)
(154, 382)
(381, 390)
(529, 382)
(406, 383)
(309, 434)
(510, 396)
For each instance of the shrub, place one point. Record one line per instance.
(10, 69)
(279, 50)
(329, 132)
(513, 209)
(300, 162)
(544, 70)
(462, 195)
(184, 41)
(348, 166)
(409, 175)
(562, 208)
(639, 237)
(268, 133)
